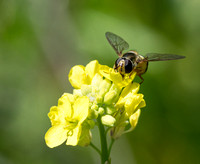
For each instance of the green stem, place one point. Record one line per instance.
(104, 148)
(110, 147)
(95, 148)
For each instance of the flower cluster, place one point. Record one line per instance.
(99, 92)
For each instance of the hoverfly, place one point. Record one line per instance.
(131, 60)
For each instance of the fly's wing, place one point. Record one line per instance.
(162, 57)
(117, 43)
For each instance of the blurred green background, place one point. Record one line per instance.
(41, 40)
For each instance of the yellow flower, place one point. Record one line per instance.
(102, 93)
(107, 90)
(80, 75)
(130, 99)
(99, 92)
(116, 77)
(128, 107)
(66, 120)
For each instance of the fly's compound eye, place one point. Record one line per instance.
(128, 66)
(117, 62)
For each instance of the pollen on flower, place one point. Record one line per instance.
(92, 98)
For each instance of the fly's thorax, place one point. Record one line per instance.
(131, 55)
(139, 58)
(142, 65)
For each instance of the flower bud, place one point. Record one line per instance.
(93, 114)
(108, 120)
(110, 110)
(134, 118)
(86, 89)
(101, 110)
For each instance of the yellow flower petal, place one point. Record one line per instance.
(105, 71)
(132, 103)
(96, 82)
(131, 88)
(116, 77)
(92, 68)
(58, 113)
(55, 116)
(74, 138)
(80, 75)
(127, 93)
(71, 97)
(142, 104)
(81, 107)
(55, 136)
(77, 76)
(64, 106)
(113, 94)
(104, 87)
(122, 81)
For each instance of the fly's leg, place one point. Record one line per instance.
(130, 74)
(141, 79)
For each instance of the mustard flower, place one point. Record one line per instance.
(116, 77)
(80, 75)
(128, 107)
(108, 93)
(102, 97)
(67, 119)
